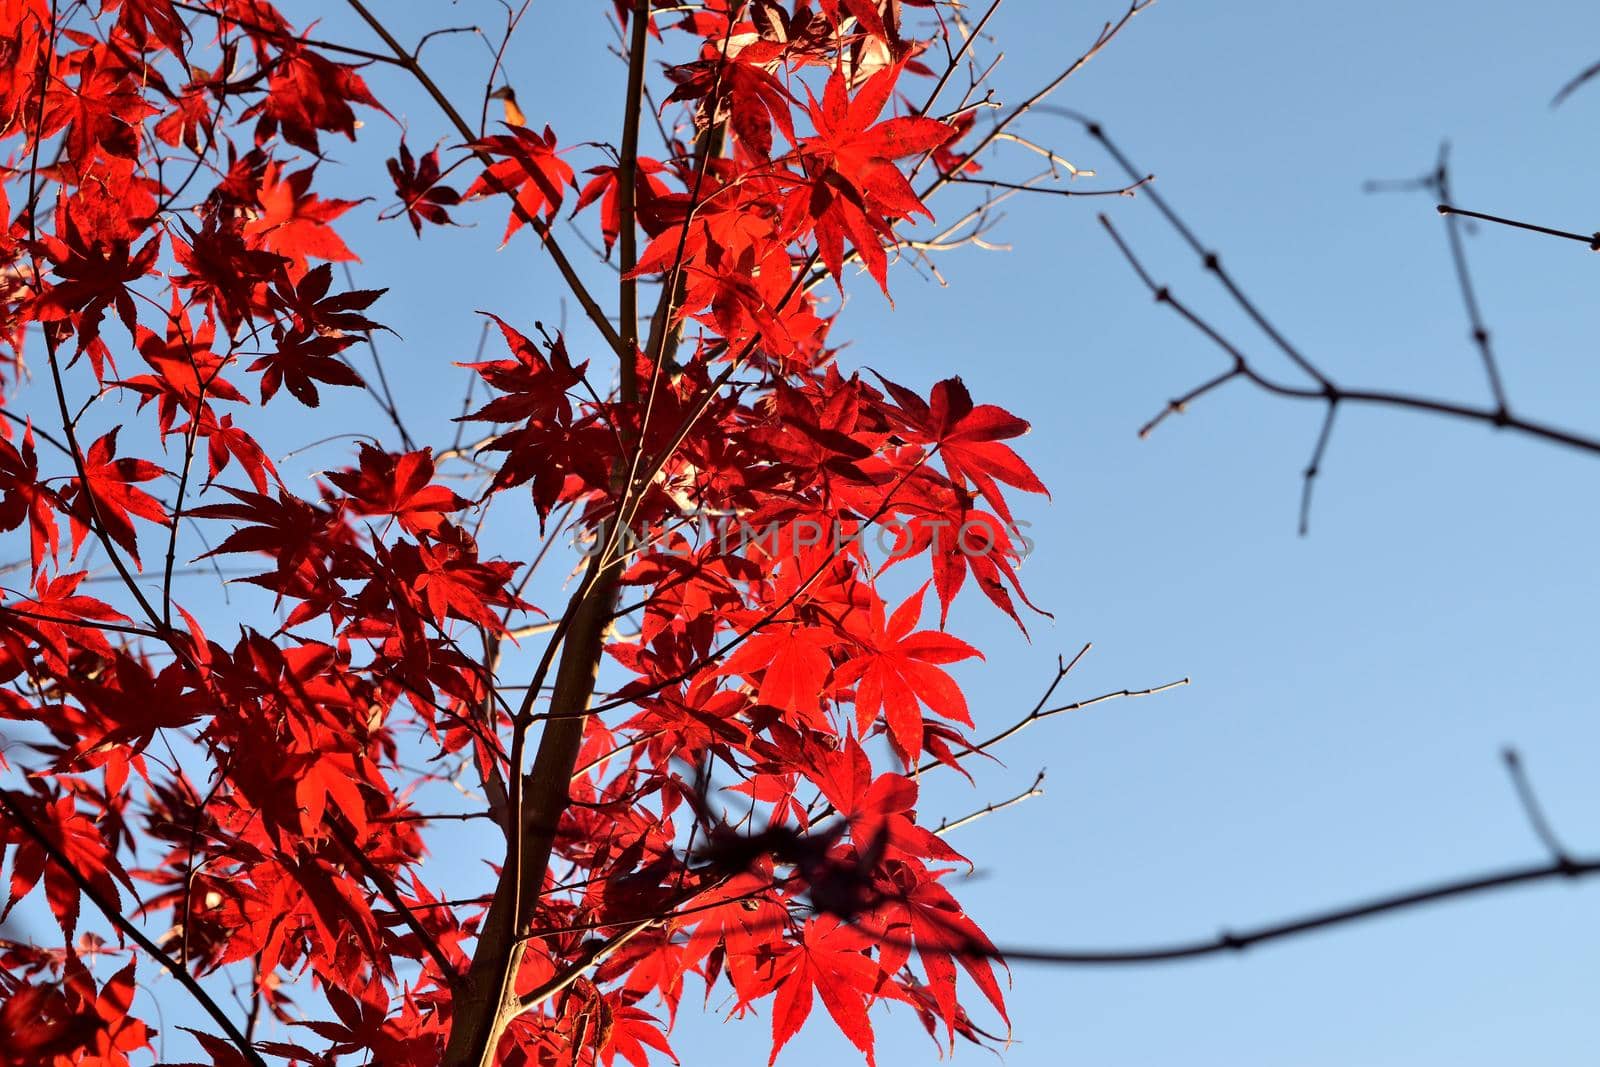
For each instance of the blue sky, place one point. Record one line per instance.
(1352, 689)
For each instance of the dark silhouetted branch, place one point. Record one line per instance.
(1130, 189)
(1590, 239)
(1314, 468)
(1469, 295)
(1437, 182)
(1575, 84)
(1236, 941)
(1323, 390)
(1531, 806)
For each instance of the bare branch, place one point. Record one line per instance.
(627, 179)
(1040, 711)
(1034, 790)
(1591, 239)
(1583, 77)
(1237, 941)
(1324, 390)
(1315, 466)
(1531, 806)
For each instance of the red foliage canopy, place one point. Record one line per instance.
(249, 788)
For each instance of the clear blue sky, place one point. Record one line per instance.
(1351, 689)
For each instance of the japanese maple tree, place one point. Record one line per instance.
(768, 538)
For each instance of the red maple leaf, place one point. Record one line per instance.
(225, 441)
(529, 168)
(308, 93)
(650, 196)
(222, 268)
(300, 360)
(306, 299)
(831, 959)
(293, 221)
(880, 811)
(449, 579)
(107, 496)
(187, 372)
(299, 536)
(968, 439)
(961, 538)
(422, 194)
(25, 498)
(754, 96)
(78, 839)
(320, 327)
(95, 273)
(948, 158)
(895, 669)
(399, 485)
(852, 187)
(866, 13)
(103, 112)
(787, 664)
(549, 448)
(534, 385)
(628, 1031)
(58, 618)
(144, 19)
(923, 915)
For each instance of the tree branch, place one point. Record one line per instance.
(627, 181)
(1040, 711)
(1231, 941)
(1034, 790)
(1590, 239)
(1324, 390)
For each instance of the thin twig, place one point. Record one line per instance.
(1315, 466)
(1531, 806)
(1044, 713)
(1575, 84)
(1130, 189)
(1034, 790)
(1469, 294)
(1590, 239)
(1437, 182)
(1324, 391)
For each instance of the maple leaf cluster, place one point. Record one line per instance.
(241, 782)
